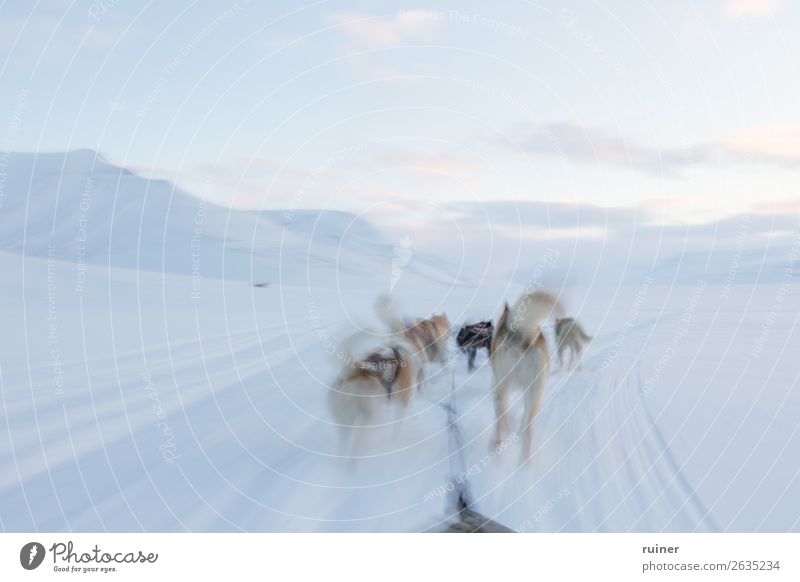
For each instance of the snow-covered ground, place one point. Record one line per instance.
(135, 399)
(134, 406)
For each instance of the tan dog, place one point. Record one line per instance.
(570, 334)
(429, 336)
(374, 375)
(520, 359)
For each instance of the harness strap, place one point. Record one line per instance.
(387, 384)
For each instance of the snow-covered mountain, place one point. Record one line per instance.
(77, 206)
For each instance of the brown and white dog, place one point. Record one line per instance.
(377, 372)
(381, 369)
(520, 359)
(570, 334)
(429, 337)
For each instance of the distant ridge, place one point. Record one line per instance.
(77, 206)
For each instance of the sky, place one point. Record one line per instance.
(684, 111)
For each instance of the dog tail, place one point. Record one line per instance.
(584, 336)
(532, 309)
(383, 308)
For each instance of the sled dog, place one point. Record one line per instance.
(427, 336)
(472, 337)
(570, 334)
(520, 359)
(376, 372)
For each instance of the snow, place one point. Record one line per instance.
(139, 394)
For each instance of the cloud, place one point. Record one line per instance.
(752, 8)
(439, 163)
(573, 142)
(775, 145)
(354, 176)
(387, 30)
(55, 38)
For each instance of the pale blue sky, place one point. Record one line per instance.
(687, 110)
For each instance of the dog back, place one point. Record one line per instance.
(430, 336)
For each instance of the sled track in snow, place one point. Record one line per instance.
(467, 519)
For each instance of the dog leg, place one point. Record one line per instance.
(345, 438)
(571, 360)
(421, 377)
(501, 412)
(471, 361)
(447, 371)
(533, 401)
(357, 443)
(400, 414)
